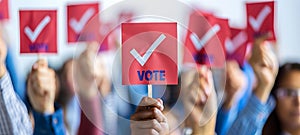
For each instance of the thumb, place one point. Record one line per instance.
(41, 63)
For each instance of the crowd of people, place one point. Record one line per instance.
(259, 98)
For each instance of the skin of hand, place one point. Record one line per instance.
(149, 119)
(90, 73)
(265, 65)
(41, 87)
(3, 52)
(235, 83)
(85, 73)
(199, 98)
(102, 77)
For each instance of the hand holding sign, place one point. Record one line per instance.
(86, 72)
(41, 87)
(149, 118)
(265, 65)
(260, 18)
(235, 83)
(38, 31)
(198, 96)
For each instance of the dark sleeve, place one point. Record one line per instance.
(49, 124)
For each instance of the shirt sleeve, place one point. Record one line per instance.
(49, 124)
(225, 118)
(253, 117)
(14, 118)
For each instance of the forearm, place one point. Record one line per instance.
(262, 93)
(207, 122)
(207, 129)
(14, 114)
(49, 123)
(252, 119)
(229, 102)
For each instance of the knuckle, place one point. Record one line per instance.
(153, 132)
(133, 117)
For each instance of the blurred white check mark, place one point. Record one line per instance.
(232, 44)
(77, 26)
(143, 59)
(32, 35)
(256, 23)
(199, 43)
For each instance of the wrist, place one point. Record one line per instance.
(262, 93)
(194, 128)
(228, 103)
(48, 109)
(88, 91)
(2, 70)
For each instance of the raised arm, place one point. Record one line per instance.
(14, 117)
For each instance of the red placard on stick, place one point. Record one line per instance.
(38, 31)
(149, 53)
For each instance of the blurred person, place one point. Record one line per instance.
(285, 118)
(199, 101)
(265, 66)
(238, 89)
(42, 85)
(86, 87)
(14, 118)
(67, 99)
(93, 86)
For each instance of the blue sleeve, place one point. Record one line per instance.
(225, 118)
(19, 83)
(253, 117)
(49, 124)
(249, 73)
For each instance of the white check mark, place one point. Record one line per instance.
(78, 26)
(143, 59)
(199, 43)
(32, 35)
(236, 42)
(256, 23)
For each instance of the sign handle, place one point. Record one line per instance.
(39, 56)
(149, 90)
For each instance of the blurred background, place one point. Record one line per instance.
(287, 20)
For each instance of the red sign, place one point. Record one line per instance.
(236, 45)
(83, 22)
(126, 16)
(149, 53)
(224, 32)
(260, 20)
(38, 31)
(108, 33)
(4, 9)
(203, 42)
